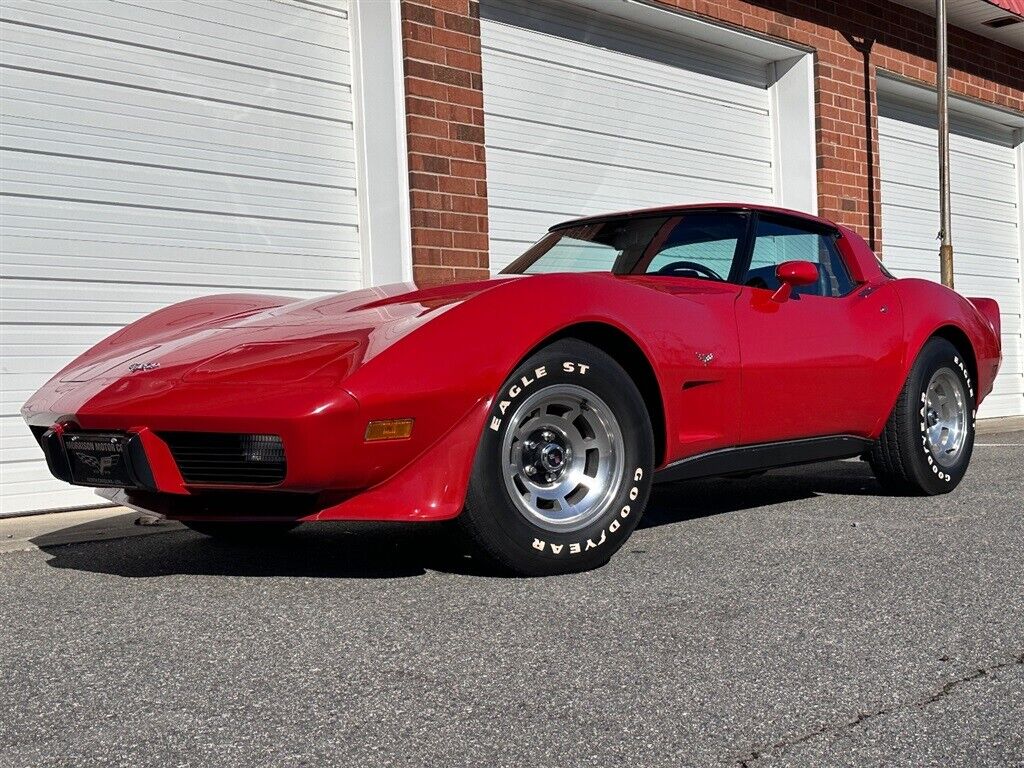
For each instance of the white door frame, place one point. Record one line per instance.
(382, 161)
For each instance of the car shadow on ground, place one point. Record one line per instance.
(374, 550)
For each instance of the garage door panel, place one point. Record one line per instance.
(108, 223)
(580, 68)
(38, 137)
(157, 151)
(61, 177)
(173, 265)
(585, 113)
(78, 57)
(918, 119)
(221, 35)
(627, 151)
(54, 99)
(623, 122)
(16, 442)
(906, 194)
(612, 185)
(986, 230)
(106, 303)
(28, 486)
(980, 182)
(563, 24)
(308, 165)
(912, 150)
(279, 25)
(919, 231)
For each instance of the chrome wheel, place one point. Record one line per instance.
(563, 457)
(945, 417)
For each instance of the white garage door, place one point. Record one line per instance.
(153, 151)
(986, 203)
(584, 114)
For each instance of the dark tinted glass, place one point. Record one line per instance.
(702, 244)
(776, 242)
(598, 247)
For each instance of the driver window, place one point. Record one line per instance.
(701, 244)
(776, 242)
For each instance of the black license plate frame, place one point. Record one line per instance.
(98, 459)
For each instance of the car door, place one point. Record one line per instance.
(809, 364)
(692, 258)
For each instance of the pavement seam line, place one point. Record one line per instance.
(784, 744)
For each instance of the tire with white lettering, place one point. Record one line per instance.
(563, 470)
(926, 445)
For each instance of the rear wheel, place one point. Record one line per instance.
(927, 443)
(239, 532)
(563, 470)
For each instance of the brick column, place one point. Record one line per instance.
(445, 121)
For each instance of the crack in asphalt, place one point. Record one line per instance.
(945, 690)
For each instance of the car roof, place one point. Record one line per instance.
(676, 209)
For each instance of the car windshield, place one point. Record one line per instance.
(598, 247)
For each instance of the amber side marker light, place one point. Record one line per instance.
(389, 429)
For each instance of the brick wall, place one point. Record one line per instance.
(852, 41)
(445, 119)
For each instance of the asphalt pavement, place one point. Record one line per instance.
(800, 618)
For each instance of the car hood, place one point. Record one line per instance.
(288, 341)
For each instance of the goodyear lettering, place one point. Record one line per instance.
(578, 547)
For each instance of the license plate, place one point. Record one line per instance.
(98, 459)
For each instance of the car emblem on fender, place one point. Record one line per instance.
(137, 367)
(706, 357)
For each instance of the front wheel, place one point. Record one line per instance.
(563, 470)
(926, 445)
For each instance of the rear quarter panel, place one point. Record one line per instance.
(929, 307)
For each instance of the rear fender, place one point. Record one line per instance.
(989, 308)
(931, 310)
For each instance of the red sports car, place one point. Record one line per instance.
(537, 407)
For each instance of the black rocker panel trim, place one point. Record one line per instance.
(752, 458)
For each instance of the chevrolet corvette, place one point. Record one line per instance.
(538, 407)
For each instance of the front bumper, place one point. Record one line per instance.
(332, 473)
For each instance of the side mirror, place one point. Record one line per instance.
(792, 274)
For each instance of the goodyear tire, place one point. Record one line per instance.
(927, 443)
(563, 470)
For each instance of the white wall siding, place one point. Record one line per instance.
(986, 201)
(586, 113)
(154, 152)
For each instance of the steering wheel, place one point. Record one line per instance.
(691, 266)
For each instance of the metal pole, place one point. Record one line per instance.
(942, 86)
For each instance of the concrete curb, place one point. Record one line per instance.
(1002, 424)
(25, 534)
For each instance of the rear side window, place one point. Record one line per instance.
(597, 247)
(777, 242)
